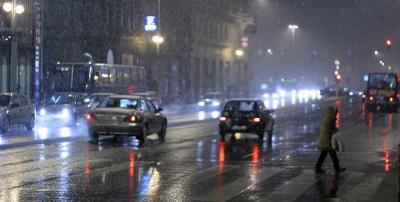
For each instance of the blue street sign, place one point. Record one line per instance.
(150, 24)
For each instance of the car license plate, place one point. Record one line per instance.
(239, 128)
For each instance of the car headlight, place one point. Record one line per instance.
(215, 104)
(65, 113)
(201, 104)
(42, 112)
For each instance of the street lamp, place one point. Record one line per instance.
(15, 9)
(157, 39)
(239, 52)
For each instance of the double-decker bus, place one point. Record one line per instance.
(382, 92)
(96, 77)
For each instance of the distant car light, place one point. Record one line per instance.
(371, 98)
(351, 93)
(364, 96)
(391, 99)
(65, 113)
(216, 104)
(222, 118)
(201, 104)
(42, 112)
(256, 120)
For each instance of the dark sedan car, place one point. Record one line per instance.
(127, 115)
(16, 109)
(246, 116)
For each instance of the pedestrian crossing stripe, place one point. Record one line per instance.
(236, 187)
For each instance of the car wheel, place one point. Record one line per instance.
(31, 124)
(6, 125)
(94, 138)
(222, 135)
(143, 136)
(163, 131)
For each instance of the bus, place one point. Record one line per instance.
(96, 78)
(382, 92)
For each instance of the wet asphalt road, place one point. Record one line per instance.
(193, 165)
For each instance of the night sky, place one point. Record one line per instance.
(348, 30)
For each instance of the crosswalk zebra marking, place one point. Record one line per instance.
(238, 186)
(294, 188)
(366, 189)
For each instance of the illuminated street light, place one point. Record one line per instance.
(7, 7)
(157, 39)
(239, 52)
(293, 27)
(19, 9)
(269, 51)
(376, 52)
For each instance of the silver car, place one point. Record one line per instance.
(95, 99)
(64, 108)
(127, 115)
(16, 109)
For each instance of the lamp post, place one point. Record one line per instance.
(293, 29)
(14, 9)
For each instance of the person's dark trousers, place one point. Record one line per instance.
(322, 157)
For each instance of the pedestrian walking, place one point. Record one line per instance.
(328, 128)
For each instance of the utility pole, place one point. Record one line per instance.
(38, 51)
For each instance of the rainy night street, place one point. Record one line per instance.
(194, 165)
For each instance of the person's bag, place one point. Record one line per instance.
(336, 143)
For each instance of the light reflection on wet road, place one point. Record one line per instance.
(194, 165)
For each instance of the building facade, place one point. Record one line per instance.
(197, 55)
(21, 77)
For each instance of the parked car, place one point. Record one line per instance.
(95, 99)
(246, 116)
(16, 109)
(127, 115)
(64, 108)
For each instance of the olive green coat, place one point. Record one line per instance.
(328, 128)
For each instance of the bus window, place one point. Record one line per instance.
(62, 78)
(104, 78)
(80, 78)
(113, 75)
(127, 76)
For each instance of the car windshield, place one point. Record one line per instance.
(97, 98)
(212, 96)
(61, 99)
(243, 106)
(119, 103)
(5, 100)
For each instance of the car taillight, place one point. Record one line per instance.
(256, 120)
(131, 118)
(89, 117)
(222, 118)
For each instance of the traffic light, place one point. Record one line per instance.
(338, 78)
(388, 44)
